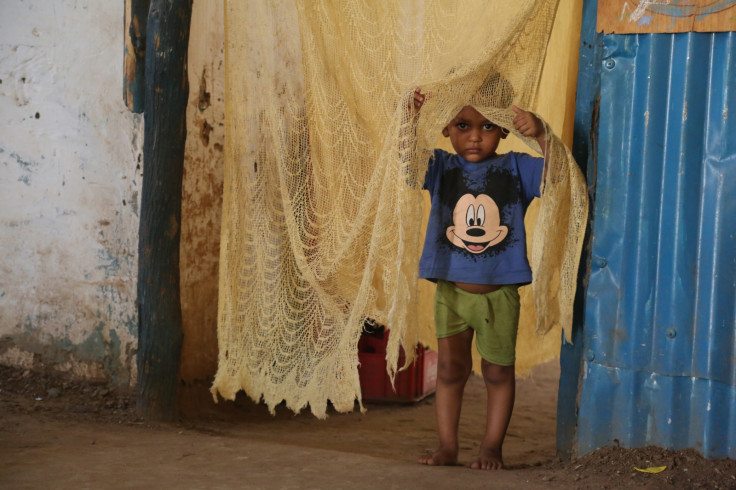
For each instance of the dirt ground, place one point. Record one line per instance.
(58, 434)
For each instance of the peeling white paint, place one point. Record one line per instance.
(70, 180)
(17, 357)
(69, 189)
(84, 370)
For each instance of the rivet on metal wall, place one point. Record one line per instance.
(671, 333)
(609, 63)
(600, 262)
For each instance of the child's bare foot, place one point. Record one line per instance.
(488, 459)
(441, 457)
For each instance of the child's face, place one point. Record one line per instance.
(473, 137)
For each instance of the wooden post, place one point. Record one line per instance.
(134, 84)
(159, 303)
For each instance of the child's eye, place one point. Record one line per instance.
(489, 127)
(462, 126)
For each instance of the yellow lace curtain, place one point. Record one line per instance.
(322, 224)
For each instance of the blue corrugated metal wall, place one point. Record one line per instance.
(659, 349)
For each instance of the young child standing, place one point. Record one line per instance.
(475, 250)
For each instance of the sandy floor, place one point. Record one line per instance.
(71, 436)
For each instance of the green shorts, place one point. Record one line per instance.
(494, 316)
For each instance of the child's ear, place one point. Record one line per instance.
(504, 133)
(445, 132)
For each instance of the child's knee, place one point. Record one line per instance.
(452, 371)
(497, 374)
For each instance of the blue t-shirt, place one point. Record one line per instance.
(476, 230)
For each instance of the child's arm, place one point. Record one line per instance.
(529, 125)
(407, 137)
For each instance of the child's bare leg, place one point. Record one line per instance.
(453, 369)
(501, 387)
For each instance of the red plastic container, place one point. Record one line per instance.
(412, 384)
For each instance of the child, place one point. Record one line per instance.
(475, 249)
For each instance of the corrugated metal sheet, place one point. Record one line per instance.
(660, 313)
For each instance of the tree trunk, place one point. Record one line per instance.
(159, 303)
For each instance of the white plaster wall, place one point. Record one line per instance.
(70, 172)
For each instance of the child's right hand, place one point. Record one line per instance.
(417, 102)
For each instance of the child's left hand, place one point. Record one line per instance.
(527, 123)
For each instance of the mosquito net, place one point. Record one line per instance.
(322, 217)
